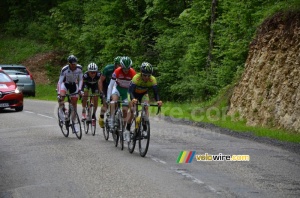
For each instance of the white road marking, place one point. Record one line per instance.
(194, 179)
(45, 116)
(39, 114)
(28, 112)
(158, 160)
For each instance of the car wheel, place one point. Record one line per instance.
(19, 108)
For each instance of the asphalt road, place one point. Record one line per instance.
(36, 160)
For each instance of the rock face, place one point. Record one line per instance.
(268, 93)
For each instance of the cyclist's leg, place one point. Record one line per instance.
(95, 99)
(84, 100)
(62, 94)
(103, 101)
(145, 99)
(114, 98)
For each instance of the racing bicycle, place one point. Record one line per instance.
(118, 125)
(89, 122)
(140, 129)
(69, 119)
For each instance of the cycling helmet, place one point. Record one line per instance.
(146, 68)
(92, 67)
(72, 59)
(117, 60)
(126, 62)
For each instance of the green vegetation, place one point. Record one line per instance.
(16, 50)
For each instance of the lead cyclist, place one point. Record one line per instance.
(138, 91)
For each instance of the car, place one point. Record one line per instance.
(10, 95)
(25, 79)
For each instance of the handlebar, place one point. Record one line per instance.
(152, 105)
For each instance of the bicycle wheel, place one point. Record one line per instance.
(120, 129)
(93, 121)
(85, 126)
(106, 129)
(144, 137)
(76, 124)
(86, 120)
(64, 126)
(115, 133)
(133, 135)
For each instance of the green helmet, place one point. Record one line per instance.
(126, 62)
(146, 68)
(117, 60)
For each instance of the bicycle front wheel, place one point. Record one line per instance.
(144, 138)
(133, 135)
(76, 126)
(64, 126)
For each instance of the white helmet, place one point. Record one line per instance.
(92, 67)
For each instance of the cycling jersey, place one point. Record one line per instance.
(91, 83)
(121, 80)
(107, 72)
(69, 79)
(138, 87)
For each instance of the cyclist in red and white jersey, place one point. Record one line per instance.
(70, 79)
(118, 86)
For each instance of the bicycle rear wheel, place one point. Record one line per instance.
(64, 126)
(93, 121)
(120, 129)
(144, 138)
(106, 129)
(115, 135)
(133, 135)
(76, 124)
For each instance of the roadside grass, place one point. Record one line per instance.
(210, 112)
(15, 50)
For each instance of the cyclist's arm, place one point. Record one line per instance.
(60, 81)
(131, 90)
(100, 83)
(155, 90)
(110, 87)
(80, 81)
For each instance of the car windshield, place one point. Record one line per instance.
(15, 70)
(4, 78)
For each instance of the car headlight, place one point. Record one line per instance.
(17, 90)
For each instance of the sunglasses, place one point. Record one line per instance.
(93, 72)
(146, 75)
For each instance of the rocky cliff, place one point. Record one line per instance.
(268, 93)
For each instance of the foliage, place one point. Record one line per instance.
(173, 35)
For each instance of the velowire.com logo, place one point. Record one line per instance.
(188, 156)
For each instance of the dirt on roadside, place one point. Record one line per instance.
(40, 65)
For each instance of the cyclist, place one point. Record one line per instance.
(90, 82)
(118, 87)
(70, 79)
(103, 85)
(138, 91)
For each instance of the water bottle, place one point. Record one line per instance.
(137, 121)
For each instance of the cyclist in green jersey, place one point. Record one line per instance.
(103, 85)
(138, 91)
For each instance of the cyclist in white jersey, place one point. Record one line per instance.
(70, 79)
